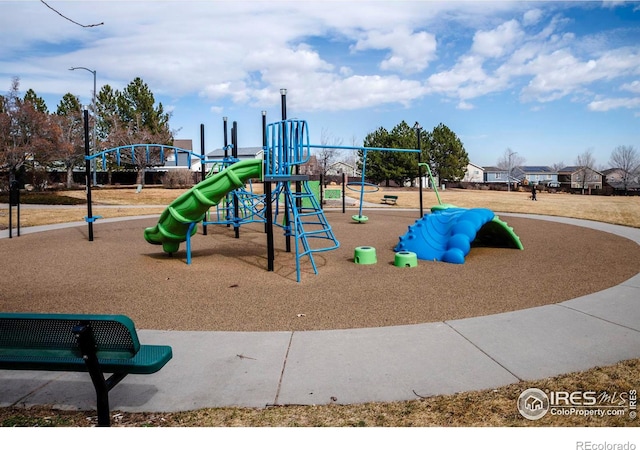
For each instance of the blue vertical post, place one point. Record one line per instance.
(364, 167)
(418, 131)
(189, 231)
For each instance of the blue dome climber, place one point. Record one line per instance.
(447, 234)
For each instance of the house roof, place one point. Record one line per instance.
(573, 169)
(185, 144)
(341, 163)
(536, 169)
(475, 165)
(242, 151)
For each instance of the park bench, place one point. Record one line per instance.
(390, 199)
(97, 344)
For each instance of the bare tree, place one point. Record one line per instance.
(351, 156)
(509, 161)
(627, 159)
(585, 173)
(558, 166)
(26, 134)
(327, 156)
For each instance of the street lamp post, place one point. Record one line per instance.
(509, 170)
(93, 131)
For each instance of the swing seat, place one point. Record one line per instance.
(366, 188)
(360, 219)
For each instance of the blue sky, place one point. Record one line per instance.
(549, 80)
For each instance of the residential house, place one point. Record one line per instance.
(338, 168)
(473, 174)
(217, 156)
(180, 160)
(576, 177)
(538, 175)
(495, 175)
(615, 178)
(311, 167)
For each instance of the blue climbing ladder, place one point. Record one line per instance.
(298, 210)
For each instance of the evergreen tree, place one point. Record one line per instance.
(446, 154)
(69, 120)
(38, 102)
(131, 117)
(386, 166)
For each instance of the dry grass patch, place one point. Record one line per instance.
(129, 196)
(614, 209)
(488, 408)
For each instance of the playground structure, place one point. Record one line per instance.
(362, 184)
(444, 235)
(448, 232)
(297, 210)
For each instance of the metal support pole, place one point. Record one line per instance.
(203, 169)
(94, 162)
(344, 193)
(93, 102)
(14, 200)
(283, 104)
(321, 191)
(267, 200)
(226, 142)
(236, 206)
(88, 174)
(419, 147)
(226, 155)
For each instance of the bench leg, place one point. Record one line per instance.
(102, 393)
(85, 339)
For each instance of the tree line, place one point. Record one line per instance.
(34, 141)
(440, 148)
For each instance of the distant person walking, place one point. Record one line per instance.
(533, 192)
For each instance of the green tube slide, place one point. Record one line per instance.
(191, 207)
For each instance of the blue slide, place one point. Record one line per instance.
(448, 232)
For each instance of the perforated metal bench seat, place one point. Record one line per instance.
(97, 344)
(149, 359)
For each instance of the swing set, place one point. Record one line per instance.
(364, 187)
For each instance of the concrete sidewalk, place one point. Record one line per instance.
(256, 369)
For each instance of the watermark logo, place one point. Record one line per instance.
(534, 404)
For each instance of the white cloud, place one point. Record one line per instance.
(634, 87)
(614, 103)
(560, 73)
(409, 52)
(495, 43)
(532, 17)
(244, 52)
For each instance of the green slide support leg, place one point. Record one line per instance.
(191, 207)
